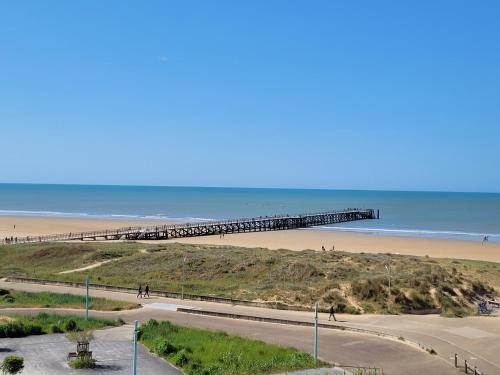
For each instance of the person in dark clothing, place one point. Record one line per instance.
(332, 313)
(139, 294)
(146, 291)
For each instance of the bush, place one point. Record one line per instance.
(54, 328)
(12, 330)
(12, 364)
(70, 325)
(163, 347)
(181, 358)
(81, 363)
(4, 292)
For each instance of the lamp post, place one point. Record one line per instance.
(134, 358)
(183, 276)
(87, 298)
(316, 331)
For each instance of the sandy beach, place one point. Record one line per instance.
(36, 225)
(290, 239)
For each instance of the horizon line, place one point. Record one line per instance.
(253, 188)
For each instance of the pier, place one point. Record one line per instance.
(165, 232)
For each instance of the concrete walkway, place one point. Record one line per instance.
(475, 339)
(112, 348)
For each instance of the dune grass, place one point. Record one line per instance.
(203, 352)
(13, 298)
(21, 326)
(354, 282)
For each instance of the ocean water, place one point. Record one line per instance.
(467, 216)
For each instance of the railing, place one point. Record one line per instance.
(468, 369)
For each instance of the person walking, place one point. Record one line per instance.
(332, 313)
(139, 294)
(146, 291)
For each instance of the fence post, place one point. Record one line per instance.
(466, 366)
(456, 360)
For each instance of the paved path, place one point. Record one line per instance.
(476, 339)
(112, 348)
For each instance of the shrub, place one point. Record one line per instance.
(163, 347)
(12, 330)
(181, 358)
(70, 325)
(12, 364)
(54, 328)
(4, 292)
(82, 363)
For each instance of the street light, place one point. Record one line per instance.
(388, 268)
(183, 276)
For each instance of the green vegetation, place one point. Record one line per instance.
(82, 363)
(12, 364)
(12, 298)
(202, 352)
(355, 283)
(21, 326)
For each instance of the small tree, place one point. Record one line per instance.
(12, 365)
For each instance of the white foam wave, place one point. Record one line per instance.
(411, 232)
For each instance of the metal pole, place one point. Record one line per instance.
(135, 349)
(316, 331)
(87, 298)
(183, 276)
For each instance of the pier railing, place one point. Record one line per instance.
(159, 232)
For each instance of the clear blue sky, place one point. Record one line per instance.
(319, 94)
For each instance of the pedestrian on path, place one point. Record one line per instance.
(139, 294)
(332, 313)
(146, 291)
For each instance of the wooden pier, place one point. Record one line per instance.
(165, 232)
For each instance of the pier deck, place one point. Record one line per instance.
(164, 232)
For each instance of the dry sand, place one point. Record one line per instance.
(355, 242)
(290, 239)
(35, 226)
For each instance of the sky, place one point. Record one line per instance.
(392, 95)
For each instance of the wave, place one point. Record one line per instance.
(159, 217)
(414, 232)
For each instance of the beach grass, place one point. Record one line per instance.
(28, 325)
(20, 299)
(199, 351)
(353, 282)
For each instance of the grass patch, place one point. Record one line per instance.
(22, 326)
(355, 283)
(14, 298)
(202, 352)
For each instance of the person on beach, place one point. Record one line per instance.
(146, 291)
(485, 239)
(139, 294)
(332, 313)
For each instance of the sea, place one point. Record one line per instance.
(465, 216)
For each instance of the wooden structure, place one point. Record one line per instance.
(164, 232)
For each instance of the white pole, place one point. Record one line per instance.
(135, 349)
(87, 298)
(316, 331)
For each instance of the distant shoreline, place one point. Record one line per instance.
(289, 239)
